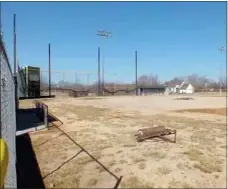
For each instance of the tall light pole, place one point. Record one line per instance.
(221, 49)
(99, 75)
(103, 34)
(49, 68)
(136, 73)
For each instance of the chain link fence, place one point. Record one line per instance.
(8, 115)
(64, 83)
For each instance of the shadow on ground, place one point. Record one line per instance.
(27, 119)
(28, 171)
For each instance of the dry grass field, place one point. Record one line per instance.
(105, 128)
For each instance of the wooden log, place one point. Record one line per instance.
(153, 131)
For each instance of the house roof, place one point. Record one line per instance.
(174, 83)
(184, 86)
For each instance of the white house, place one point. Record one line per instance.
(182, 87)
(186, 88)
(174, 87)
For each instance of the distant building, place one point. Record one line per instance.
(186, 88)
(174, 87)
(183, 87)
(150, 90)
(28, 79)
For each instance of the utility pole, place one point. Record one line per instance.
(103, 34)
(49, 67)
(136, 74)
(99, 74)
(221, 49)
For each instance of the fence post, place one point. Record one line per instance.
(46, 116)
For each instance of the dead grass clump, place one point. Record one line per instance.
(122, 161)
(142, 165)
(174, 183)
(155, 154)
(81, 161)
(203, 163)
(186, 185)
(194, 154)
(129, 145)
(86, 112)
(111, 163)
(183, 166)
(84, 160)
(57, 181)
(135, 182)
(216, 111)
(164, 170)
(100, 169)
(138, 159)
(117, 170)
(209, 166)
(92, 182)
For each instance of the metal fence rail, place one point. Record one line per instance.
(42, 112)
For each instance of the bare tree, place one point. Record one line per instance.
(223, 81)
(148, 80)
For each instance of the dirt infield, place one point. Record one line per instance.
(105, 128)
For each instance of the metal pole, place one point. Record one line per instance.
(222, 49)
(103, 80)
(99, 79)
(1, 67)
(220, 83)
(49, 67)
(136, 73)
(14, 34)
(15, 60)
(104, 34)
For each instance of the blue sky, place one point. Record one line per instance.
(172, 38)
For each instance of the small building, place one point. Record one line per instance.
(183, 87)
(150, 90)
(186, 88)
(174, 87)
(28, 79)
